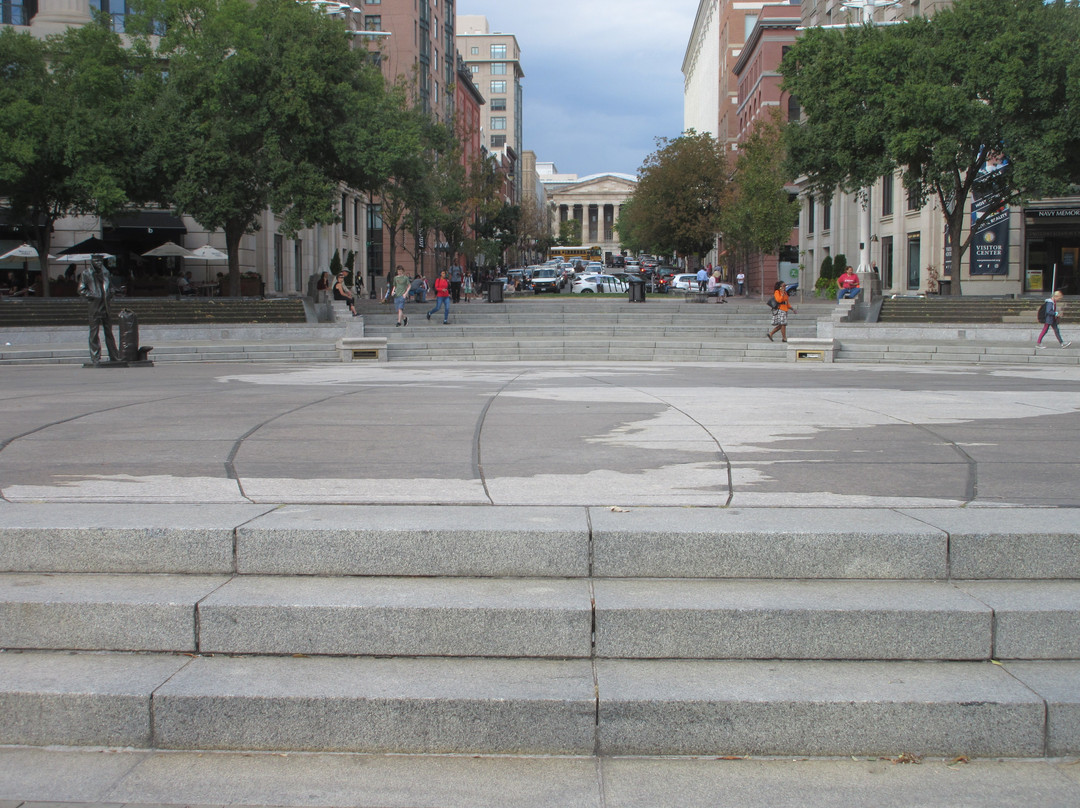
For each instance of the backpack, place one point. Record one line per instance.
(1042, 313)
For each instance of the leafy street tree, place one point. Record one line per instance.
(64, 136)
(570, 233)
(630, 236)
(984, 84)
(760, 213)
(681, 190)
(263, 106)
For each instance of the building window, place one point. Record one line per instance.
(373, 22)
(914, 259)
(810, 215)
(912, 200)
(475, 51)
(498, 51)
(886, 262)
(344, 215)
(826, 216)
(794, 110)
(498, 122)
(356, 217)
(115, 9)
(886, 194)
(279, 263)
(498, 104)
(298, 265)
(498, 68)
(17, 12)
(498, 88)
(497, 141)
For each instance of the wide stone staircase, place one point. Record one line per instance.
(664, 328)
(53, 312)
(541, 631)
(937, 309)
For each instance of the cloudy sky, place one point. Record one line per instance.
(603, 78)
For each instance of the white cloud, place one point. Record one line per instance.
(602, 77)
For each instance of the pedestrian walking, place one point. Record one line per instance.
(780, 311)
(1051, 311)
(740, 282)
(442, 297)
(456, 274)
(400, 290)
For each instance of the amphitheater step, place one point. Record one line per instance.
(505, 706)
(632, 619)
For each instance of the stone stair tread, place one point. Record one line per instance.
(679, 707)
(683, 707)
(528, 617)
(102, 611)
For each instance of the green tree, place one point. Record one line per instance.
(760, 213)
(570, 233)
(681, 189)
(630, 228)
(65, 144)
(262, 106)
(940, 99)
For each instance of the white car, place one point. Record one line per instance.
(687, 282)
(586, 284)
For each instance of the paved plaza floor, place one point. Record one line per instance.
(737, 436)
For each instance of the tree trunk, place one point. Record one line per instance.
(233, 233)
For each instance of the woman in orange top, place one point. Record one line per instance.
(779, 315)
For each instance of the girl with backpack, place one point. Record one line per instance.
(1051, 311)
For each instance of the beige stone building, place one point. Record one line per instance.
(494, 59)
(595, 201)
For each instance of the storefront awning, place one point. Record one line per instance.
(145, 222)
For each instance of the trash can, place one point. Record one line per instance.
(128, 324)
(636, 289)
(495, 291)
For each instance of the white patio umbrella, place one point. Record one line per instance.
(23, 251)
(78, 258)
(168, 250)
(207, 253)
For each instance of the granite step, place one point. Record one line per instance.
(509, 706)
(542, 618)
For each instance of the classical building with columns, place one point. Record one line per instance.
(595, 201)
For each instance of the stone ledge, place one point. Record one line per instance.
(811, 349)
(351, 349)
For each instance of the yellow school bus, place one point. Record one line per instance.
(566, 253)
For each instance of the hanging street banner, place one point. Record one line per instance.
(990, 243)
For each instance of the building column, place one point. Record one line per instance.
(56, 16)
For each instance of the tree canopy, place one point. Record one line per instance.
(760, 213)
(680, 192)
(981, 82)
(264, 105)
(65, 138)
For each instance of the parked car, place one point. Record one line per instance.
(586, 284)
(687, 281)
(547, 279)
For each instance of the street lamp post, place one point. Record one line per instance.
(867, 9)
